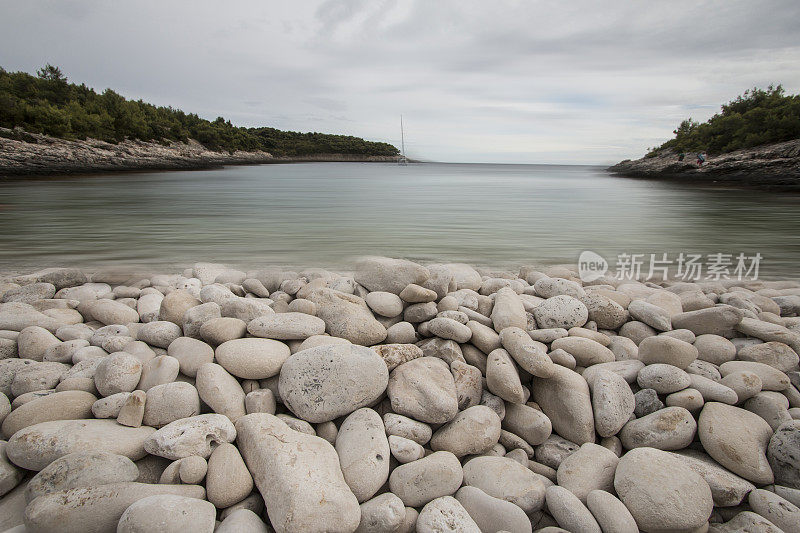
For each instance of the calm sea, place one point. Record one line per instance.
(325, 214)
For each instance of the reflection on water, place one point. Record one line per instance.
(326, 213)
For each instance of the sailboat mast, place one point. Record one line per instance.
(402, 138)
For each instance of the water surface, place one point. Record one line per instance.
(324, 214)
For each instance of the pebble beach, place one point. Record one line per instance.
(396, 397)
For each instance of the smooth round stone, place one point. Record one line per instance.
(569, 512)
(472, 431)
(119, 372)
(549, 287)
(62, 353)
(727, 488)
(705, 369)
(650, 314)
(219, 330)
(168, 513)
(196, 316)
(647, 402)
(423, 389)
(469, 384)
(416, 294)
(408, 428)
(529, 354)
(405, 450)
(418, 482)
(590, 468)
(384, 303)
(647, 475)
(148, 306)
(493, 514)
(400, 333)
(286, 326)
(445, 515)
(170, 402)
(587, 352)
(566, 401)
(689, 399)
(604, 311)
(195, 435)
(319, 340)
(160, 333)
(447, 328)
(737, 439)
(242, 521)
(775, 354)
(777, 510)
(529, 423)
(90, 352)
(220, 391)
(175, 304)
(363, 451)
(291, 470)
(35, 447)
(227, 480)
(561, 312)
(191, 354)
(29, 293)
(782, 454)
(10, 477)
(158, 371)
(416, 313)
(713, 391)
(637, 331)
(671, 428)
(610, 513)
(390, 275)
(252, 358)
(348, 316)
(111, 312)
(323, 383)
(627, 369)
(771, 378)
(67, 405)
(745, 384)
(506, 479)
(99, 508)
(613, 402)
(714, 349)
(37, 377)
(663, 378)
(681, 334)
(81, 469)
(713, 320)
(667, 350)
(746, 521)
(296, 424)
(502, 378)
(382, 513)
(110, 406)
(260, 401)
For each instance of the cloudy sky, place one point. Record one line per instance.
(477, 81)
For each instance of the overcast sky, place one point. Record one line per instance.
(476, 81)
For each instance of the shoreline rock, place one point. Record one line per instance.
(772, 167)
(50, 156)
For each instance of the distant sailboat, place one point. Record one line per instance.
(402, 160)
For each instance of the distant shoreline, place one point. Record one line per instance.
(772, 167)
(52, 157)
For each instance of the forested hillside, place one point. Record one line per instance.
(50, 105)
(759, 116)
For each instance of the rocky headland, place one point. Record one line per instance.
(25, 154)
(770, 167)
(398, 397)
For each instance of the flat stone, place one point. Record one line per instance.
(363, 451)
(286, 326)
(771, 378)
(323, 383)
(67, 405)
(471, 431)
(737, 439)
(667, 350)
(227, 480)
(94, 509)
(663, 378)
(35, 447)
(561, 312)
(671, 428)
(566, 401)
(647, 475)
(718, 320)
(81, 469)
(291, 470)
(423, 389)
(252, 358)
(418, 482)
(506, 479)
